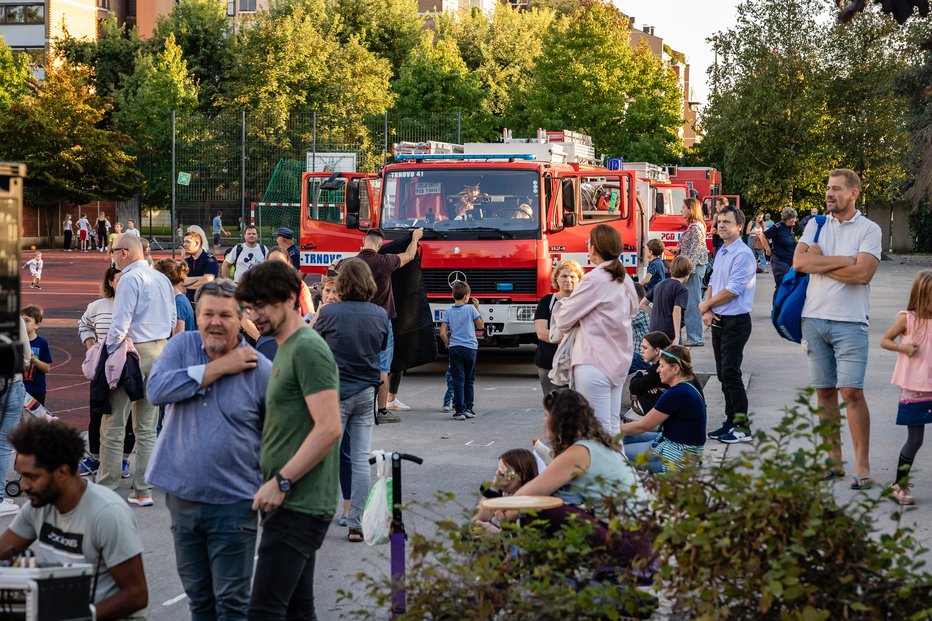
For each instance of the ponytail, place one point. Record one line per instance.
(617, 270)
(606, 242)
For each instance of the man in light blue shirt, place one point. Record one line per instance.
(727, 309)
(213, 385)
(143, 312)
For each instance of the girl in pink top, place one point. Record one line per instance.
(601, 307)
(913, 374)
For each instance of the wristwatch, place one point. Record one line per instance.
(284, 485)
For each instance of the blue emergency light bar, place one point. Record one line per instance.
(469, 156)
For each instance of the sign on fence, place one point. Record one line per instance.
(184, 178)
(331, 162)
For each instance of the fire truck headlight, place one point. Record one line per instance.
(521, 313)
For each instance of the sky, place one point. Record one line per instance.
(684, 25)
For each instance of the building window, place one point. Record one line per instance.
(247, 6)
(22, 14)
(36, 55)
(231, 8)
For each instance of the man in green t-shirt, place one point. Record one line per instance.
(299, 454)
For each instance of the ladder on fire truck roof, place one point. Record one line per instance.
(556, 147)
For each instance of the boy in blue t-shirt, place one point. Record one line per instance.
(655, 268)
(41, 361)
(458, 333)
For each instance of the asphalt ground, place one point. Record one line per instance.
(459, 455)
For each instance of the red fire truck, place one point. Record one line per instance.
(499, 216)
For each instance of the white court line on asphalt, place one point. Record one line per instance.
(470, 443)
(174, 600)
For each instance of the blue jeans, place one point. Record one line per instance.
(11, 401)
(463, 370)
(644, 443)
(448, 395)
(694, 327)
(214, 550)
(357, 414)
(346, 470)
(762, 259)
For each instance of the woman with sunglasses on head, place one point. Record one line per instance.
(176, 271)
(600, 311)
(680, 412)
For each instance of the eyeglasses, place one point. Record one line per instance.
(224, 286)
(669, 355)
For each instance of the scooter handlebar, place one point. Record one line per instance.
(406, 456)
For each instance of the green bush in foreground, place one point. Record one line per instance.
(762, 537)
(758, 537)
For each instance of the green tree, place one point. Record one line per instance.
(110, 57)
(158, 85)
(54, 130)
(501, 49)
(864, 59)
(589, 79)
(768, 122)
(202, 31)
(15, 77)
(390, 29)
(436, 79)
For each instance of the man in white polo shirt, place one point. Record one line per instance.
(835, 315)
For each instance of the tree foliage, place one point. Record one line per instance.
(390, 29)
(15, 77)
(795, 95)
(202, 31)
(588, 78)
(111, 58)
(54, 130)
(159, 84)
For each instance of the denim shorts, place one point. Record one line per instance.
(385, 357)
(837, 352)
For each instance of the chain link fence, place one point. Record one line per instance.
(244, 165)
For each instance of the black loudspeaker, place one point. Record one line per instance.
(11, 218)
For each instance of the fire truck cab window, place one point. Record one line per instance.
(325, 205)
(463, 201)
(602, 199)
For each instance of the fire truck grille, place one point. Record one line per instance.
(498, 281)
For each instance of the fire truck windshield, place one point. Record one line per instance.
(463, 201)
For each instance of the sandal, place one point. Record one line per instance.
(862, 483)
(831, 475)
(355, 535)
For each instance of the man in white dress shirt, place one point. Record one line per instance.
(144, 312)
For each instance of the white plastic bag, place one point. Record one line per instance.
(377, 518)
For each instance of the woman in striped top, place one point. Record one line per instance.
(93, 327)
(681, 412)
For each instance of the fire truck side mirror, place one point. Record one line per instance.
(569, 219)
(352, 220)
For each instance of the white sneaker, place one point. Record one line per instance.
(140, 501)
(397, 405)
(8, 507)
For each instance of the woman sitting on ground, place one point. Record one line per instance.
(681, 412)
(515, 468)
(590, 462)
